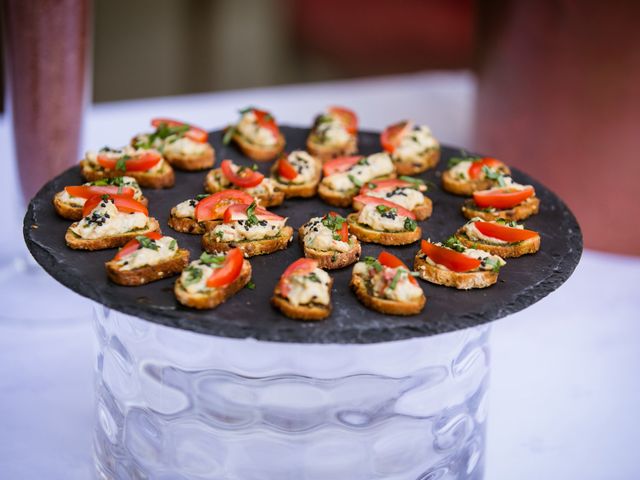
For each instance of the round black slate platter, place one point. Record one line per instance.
(522, 282)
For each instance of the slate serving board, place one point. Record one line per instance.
(522, 282)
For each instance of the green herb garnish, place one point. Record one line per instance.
(313, 277)
(417, 183)
(372, 262)
(396, 277)
(214, 261)
(354, 180)
(146, 242)
(410, 224)
(201, 196)
(454, 244)
(250, 285)
(173, 244)
(121, 164)
(493, 175)
(193, 275)
(228, 134)
(252, 219)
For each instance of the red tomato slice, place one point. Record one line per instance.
(475, 170)
(367, 200)
(194, 133)
(228, 271)
(132, 245)
(504, 232)
(247, 178)
(285, 169)
(266, 120)
(302, 266)
(456, 261)
(123, 204)
(138, 163)
(391, 261)
(393, 134)
(344, 230)
(340, 164)
(347, 117)
(214, 206)
(389, 184)
(502, 198)
(238, 211)
(86, 191)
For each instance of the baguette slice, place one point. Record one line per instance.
(425, 162)
(164, 179)
(367, 234)
(325, 153)
(330, 259)
(510, 250)
(259, 153)
(383, 305)
(266, 200)
(71, 212)
(313, 311)
(190, 225)
(422, 211)
(343, 199)
(527, 208)
(113, 241)
(448, 278)
(148, 273)
(216, 296)
(249, 248)
(466, 187)
(192, 162)
(291, 190)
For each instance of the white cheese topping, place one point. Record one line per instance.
(388, 221)
(320, 237)
(373, 166)
(332, 132)
(312, 287)
(415, 144)
(248, 127)
(461, 170)
(105, 220)
(186, 209)
(166, 249)
(79, 201)
(305, 165)
(240, 230)
(184, 147)
(64, 197)
(383, 286)
(406, 197)
(194, 278)
(117, 153)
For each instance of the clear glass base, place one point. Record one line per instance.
(173, 404)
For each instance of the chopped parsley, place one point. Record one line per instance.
(493, 175)
(396, 277)
(228, 134)
(173, 244)
(201, 196)
(214, 261)
(493, 263)
(146, 242)
(363, 161)
(354, 180)
(334, 223)
(374, 263)
(453, 161)
(121, 164)
(246, 109)
(416, 182)
(410, 224)
(312, 277)
(454, 244)
(193, 275)
(252, 219)
(251, 285)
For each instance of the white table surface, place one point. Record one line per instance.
(564, 390)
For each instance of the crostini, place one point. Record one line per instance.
(334, 134)
(247, 179)
(297, 174)
(147, 166)
(344, 176)
(304, 291)
(147, 258)
(510, 202)
(499, 237)
(387, 285)
(183, 145)
(256, 134)
(413, 149)
(405, 191)
(252, 229)
(466, 175)
(453, 265)
(109, 221)
(69, 202)
(383, 222)
(202, 213)
(327, 240)
(212, 279)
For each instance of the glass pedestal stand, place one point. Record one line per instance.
(172, 404)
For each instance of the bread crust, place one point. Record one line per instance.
(193, 162)
(331, 259)
(448, 278)
(258, 152)
(511, 250)
(467, 187)
(343, 199)
(75, 213)
(166, 179)
(424, 163)
(422, 211)
(301, 312)
(324, 153)
(148, 273)
(389, 307)
(250, 248)
(271, 200)
(304, 190)
(217, 296)
(190, 225)
(527, 208)
(103, 243)
(366, 234)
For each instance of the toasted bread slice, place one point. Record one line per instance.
(330, 259)
(216, 296)
(148, 273)
(71, 212)
(164, 179)
(509, 250)
(192, 162)
(527, 208)
(448, 278)
(366, 234)
(312, 311)
(190, 225)
(250, 248)
(291, 190)
(383, 305)
(428, 160)
(466, 187)
(259, 153)
(325, 153)
(266, 200)
(343, 199)
(113, 241)
(422, 211)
